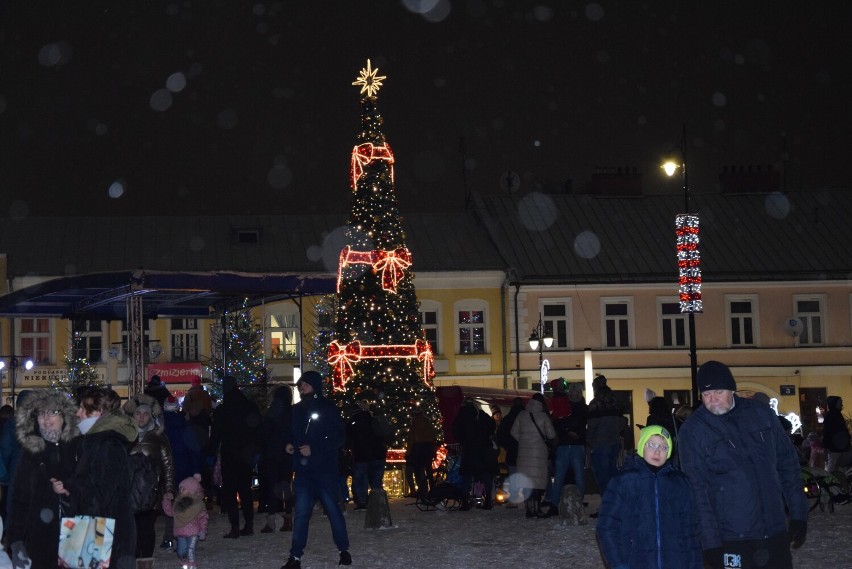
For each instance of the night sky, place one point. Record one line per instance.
(231, 106)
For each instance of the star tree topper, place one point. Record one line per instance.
(369, 82)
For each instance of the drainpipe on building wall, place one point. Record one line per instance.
(503, 334)
(517, 336)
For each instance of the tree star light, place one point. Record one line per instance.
(369, 82)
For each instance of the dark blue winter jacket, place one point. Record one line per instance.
(646, 519)
(744, 471)
(317, 422)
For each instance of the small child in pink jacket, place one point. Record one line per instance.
(190, 514)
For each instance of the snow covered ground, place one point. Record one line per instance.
(498, 538)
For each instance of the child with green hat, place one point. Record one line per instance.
(646, 517)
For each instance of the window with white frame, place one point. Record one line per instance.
(674, 331)
(470, 321)
(810, 310)
(556, 321)
(617, 314)
(91, 343)
(430, 318)
(184, 335)
(125, 341)
(742, 320)
(282, 332)
(34, 336)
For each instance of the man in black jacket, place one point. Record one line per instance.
(745, 477)
(571, 452)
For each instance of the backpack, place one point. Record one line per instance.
(144, 480)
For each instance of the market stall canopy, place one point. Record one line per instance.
(103, 296)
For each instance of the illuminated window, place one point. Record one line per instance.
(674, 332)
(282, 329)
(470, 321)
(34, 336)
(811, 311)
(184, 336)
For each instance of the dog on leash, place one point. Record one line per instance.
(571, 512)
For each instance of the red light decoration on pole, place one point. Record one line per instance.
(688, 263)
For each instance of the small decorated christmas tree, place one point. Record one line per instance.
(378, 347)
(79, 372)
(241, 348)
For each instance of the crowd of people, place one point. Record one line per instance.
(717, 485)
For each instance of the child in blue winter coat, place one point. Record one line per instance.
(646, 518)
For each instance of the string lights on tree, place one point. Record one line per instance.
(377, 347)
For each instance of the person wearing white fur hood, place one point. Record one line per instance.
(46, 427)
(152, 442)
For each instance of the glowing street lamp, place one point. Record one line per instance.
(540, 339)
(688, 261)
(14, 363)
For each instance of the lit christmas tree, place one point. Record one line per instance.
(242, 347)
(378, 346)
(79, 373)
(318, 356)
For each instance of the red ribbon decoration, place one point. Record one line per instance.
(365, 153)
(425, 355)
(392, 264)
(343, 359)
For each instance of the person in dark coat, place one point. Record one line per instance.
(100, 483)
(365, 439)
(152, 442)
(503, 437)
(317, 437)
(236, 436)
(277, 430)
(660, 414)
(835, 436)
(47, 430)
(420, 454)
(604, 428)
(646, 518)
(474, 428)
(571, 452)
(158, 390)
(745, 476)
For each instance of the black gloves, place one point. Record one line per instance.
(713, 558)
(798, 532)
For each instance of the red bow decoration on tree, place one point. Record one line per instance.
(365, 153)
(343, 359)
(392, 264)
(425, 355)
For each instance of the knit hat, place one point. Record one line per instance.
(195, 380)
(171, 404)
(191, 486)
(649, 432)
(155, 381)
(715, 375)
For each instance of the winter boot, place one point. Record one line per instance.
(292, 563)
(233, 534)
(287, 524)
(529, 503)
(248, 529)
(345, 558)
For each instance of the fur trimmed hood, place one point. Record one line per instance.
(26, 418)
(156, 411)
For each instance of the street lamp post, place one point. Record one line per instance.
(539, 340)
(688, 261)
(14, 363)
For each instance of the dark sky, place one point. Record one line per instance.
(224, 106)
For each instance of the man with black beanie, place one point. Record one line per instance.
(744, 473)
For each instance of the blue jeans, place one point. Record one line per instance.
(573, 457)
(308, 488)
(605, 464)
(364, 473)
(185, 548)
